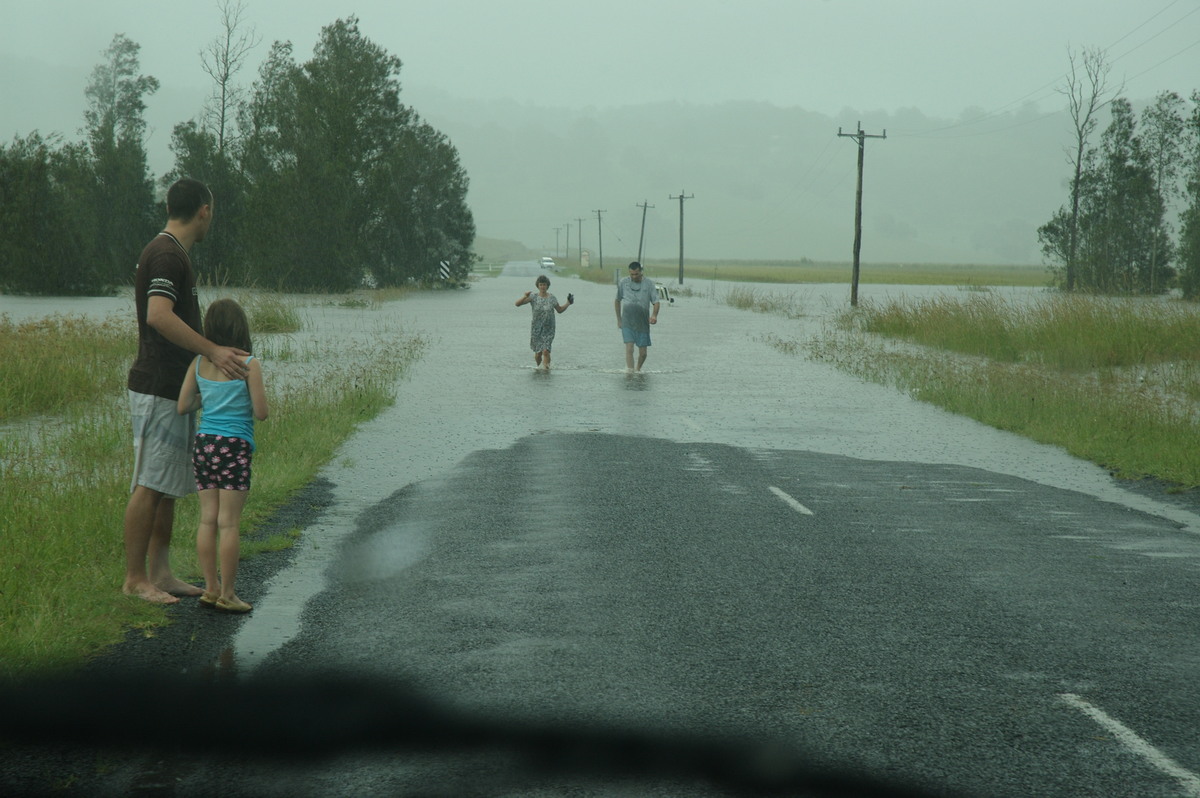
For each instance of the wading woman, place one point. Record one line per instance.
(544, 304)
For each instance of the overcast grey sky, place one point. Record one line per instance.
(940, 56)
(870, 60)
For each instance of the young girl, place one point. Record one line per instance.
(541, 335)
(223, 448)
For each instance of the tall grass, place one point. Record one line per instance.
(270, 313)
(64, 476)
(36, 377)
(760, 301)
(1113, 381)
(1063, 331)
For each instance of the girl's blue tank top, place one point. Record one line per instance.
(227, 408)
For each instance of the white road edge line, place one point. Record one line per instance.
(1127, 737)
(795, 505)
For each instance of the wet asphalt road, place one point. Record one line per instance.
(915, 622)
(739, 541)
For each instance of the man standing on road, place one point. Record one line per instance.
(169, 324)
(637, 308)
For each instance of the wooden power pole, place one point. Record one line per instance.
(681, 198)
(600, 235)
(862, 138)
(641, 239)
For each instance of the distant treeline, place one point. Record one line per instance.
(321, 178)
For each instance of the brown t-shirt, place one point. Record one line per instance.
(164, 269)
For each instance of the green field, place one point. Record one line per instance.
(966, 275)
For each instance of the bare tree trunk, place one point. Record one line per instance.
(221, 61)
(1086, 95)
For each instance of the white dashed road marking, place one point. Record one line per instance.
(1189, 781)
(795, 505)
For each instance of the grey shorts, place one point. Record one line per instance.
(638, 338)
(162, 446)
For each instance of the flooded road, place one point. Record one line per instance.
(736, 537)
(710, 377)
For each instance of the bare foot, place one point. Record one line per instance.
(149, 593)
(177, 587)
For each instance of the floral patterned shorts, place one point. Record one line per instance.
(221, 463)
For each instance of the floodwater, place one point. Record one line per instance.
(710, 378)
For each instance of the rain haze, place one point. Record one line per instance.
(559, 109)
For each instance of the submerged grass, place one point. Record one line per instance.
(64, 473)
(1113, 381)
(760, 301)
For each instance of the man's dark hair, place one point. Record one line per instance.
(185, 199)
(635, 266)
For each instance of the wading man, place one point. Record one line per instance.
(637, 308)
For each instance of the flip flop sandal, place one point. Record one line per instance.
(232, 605)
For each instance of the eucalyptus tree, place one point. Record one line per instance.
(115, 129)
(222, 60)
(26, 215)
(1163, 130)
(1115, 233)
(1189, 227)
(1120, 222)
(1133, 220)
(332, 157)
(422, 218)
(49, 219)
(198, 155)
(318, 131)
(1087, 91)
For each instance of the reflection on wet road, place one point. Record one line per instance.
(911, 620)
(709, 378)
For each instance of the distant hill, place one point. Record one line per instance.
(768, 182)
(495, 250)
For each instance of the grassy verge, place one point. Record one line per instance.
(64, 474)
(1113, 381)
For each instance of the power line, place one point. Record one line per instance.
(1168, 58)
(1051, 84)
(1155, 36)
(1144, 24)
